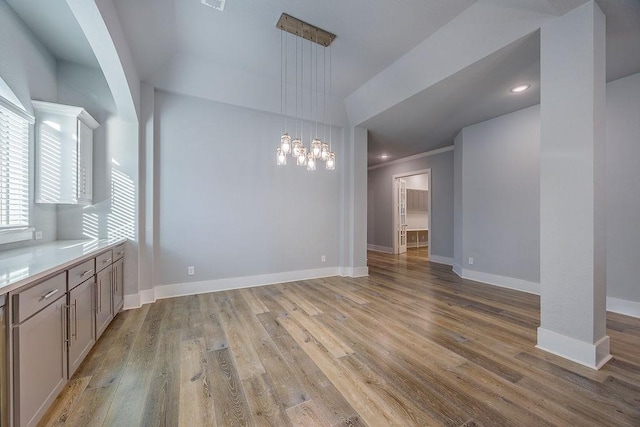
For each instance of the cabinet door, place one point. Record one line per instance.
(82, 332)
(411, 203)
(118, 285)
(85, 163)
(104, 312)
(56, 160)
(40, 362)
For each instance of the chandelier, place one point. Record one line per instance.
(318, 149)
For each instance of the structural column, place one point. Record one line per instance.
(355, 204)
(572, 204)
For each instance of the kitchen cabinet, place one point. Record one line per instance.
(82, 332)
(118, 285)
(4, 377)
(104, 312)
(417, 238)
(39, 348)
(85, 164)
(64, 154)
(417, 200)
(55, 319)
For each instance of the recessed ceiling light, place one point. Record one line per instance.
(520, 88)
(384, 156)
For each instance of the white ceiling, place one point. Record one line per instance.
(432, 118)
(372, 34)
(56, 27)
(245, 37)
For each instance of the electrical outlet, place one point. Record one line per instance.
(38, 235)
(323, 258)
(470, 261)
(191, 270)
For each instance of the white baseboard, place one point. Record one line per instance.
(593, 356)
(457, 269)
(354, 271)
(502, 281)
(147, 296)
(194, 288)
(378, 248)
(441, 259)
(623, 306)
(131, 301)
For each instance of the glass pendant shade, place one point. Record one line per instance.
(296, 146)
(324, 151)
(281, 158)
(311, 162)
(316, 148)
(331, 161)
(302, 156)
(285, 143)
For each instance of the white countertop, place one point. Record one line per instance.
(417, 229)
(21, 266)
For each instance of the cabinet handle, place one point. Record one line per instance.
(97, 295)
(106, 261)
(120, 253)
(65, 333)
(75, 319)
(84, 273)
(49, 294)
(68, 340)
(115, 278)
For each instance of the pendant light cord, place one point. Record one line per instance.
(330, 87)
(281, 83)
(286, 68)
(316, 48)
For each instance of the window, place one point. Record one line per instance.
(14, 169)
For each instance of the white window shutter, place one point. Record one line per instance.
(14, 170)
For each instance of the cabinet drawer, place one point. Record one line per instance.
(34, 299)
(104, 260)
(118, 252)
(80, 273)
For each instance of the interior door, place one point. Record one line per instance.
(401, 186)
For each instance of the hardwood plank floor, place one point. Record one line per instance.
(410, 345)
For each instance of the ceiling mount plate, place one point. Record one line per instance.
(302, 29)
(216, 4)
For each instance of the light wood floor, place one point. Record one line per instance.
(410, 345)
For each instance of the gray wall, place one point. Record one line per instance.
(86, 87)
(380, 205)
(225, 207)
(501, 195)
(30, 72)
(497, 189)
(623, 188)
(457, 203)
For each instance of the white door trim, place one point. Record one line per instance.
(395, 203)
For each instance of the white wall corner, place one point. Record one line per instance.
(623, 306)
(378, 248)
(441, 260)
(501, 281)
(591, 355)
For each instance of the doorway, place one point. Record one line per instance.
(412, 225)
